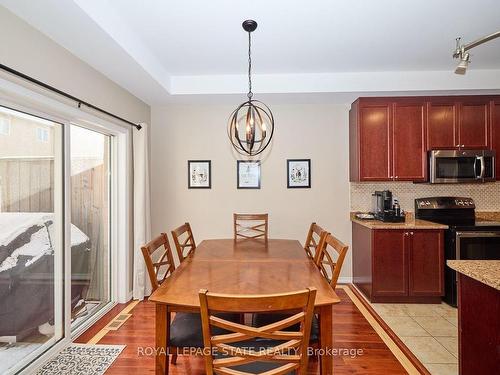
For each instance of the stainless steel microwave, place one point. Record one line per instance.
(461, 166)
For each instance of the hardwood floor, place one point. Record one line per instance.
(350, 331)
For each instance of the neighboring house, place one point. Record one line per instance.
(21, 137)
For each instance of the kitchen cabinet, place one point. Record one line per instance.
(370, 134)
(387, 140)
(425, 262)
(390, 253)
(408, 139)
(457, 123)
(473, 124)
(442, 125)
(495, 132)
(403, 265)
(389, 137)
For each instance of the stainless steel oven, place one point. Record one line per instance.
(461, 166)
(484, 245)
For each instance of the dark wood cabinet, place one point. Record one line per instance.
(408, 134)
(442, 126)
(495, 132)
(390, 268)
(374, 142)
(406, 265)
(458, 123)
(389, 137)
(478, 327)
(387, 140)
(474, 124)
(426, 263)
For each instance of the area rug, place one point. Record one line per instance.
(82, 359)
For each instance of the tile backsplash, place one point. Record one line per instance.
(486, 196)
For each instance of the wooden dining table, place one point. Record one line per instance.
(243, 267)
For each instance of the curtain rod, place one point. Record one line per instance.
(66, 95)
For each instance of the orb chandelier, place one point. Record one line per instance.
(251, 124)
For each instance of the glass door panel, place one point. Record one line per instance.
(90, 222)
(31, 227)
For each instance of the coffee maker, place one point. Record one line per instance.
(385, 209)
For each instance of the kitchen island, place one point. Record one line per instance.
(478, 315)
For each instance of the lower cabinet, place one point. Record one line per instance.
(405, 265)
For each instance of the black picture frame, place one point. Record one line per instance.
(293, 185)
(192, 185)
(241, 184)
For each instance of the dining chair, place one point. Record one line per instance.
(314, 238)
(185, 328)
(250, 226)
(268, 349)
(160, 269)
(184, 241)
(330, 268)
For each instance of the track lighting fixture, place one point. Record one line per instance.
(461, 51)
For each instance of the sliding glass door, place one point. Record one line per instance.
(55, 189)
(90, 222)
(31, 237)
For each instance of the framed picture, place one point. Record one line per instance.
(298, 173)
(248, 173)
(199, 174)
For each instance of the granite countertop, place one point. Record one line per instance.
(485, 271)
(410, 223)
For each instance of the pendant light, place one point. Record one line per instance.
(251, 124)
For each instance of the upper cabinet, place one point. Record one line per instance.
(457, 123)
(442, 125)
(473, 123)
(389, 137)
(408, 133)
(381, 133)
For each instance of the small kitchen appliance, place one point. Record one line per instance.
(385, 208)
(461, 166)
(466, 237)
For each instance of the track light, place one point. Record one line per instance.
(463, 64)
(461, 51)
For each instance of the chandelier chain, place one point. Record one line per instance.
(250, 93)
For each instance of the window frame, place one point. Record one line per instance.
(20, 98)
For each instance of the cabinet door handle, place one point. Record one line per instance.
(457, 146)
(462, 146)
(411, 233)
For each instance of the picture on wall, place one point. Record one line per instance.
(248, 173)
(199, 174)
(298, 173)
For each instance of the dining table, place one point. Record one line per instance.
(248, 266)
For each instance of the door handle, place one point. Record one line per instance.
(482, 167)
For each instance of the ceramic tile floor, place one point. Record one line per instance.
(429, 331)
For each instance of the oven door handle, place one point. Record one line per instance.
(477, 234)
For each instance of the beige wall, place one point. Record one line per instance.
(25, 49)
(318, 132)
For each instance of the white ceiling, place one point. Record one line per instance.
(161, 49)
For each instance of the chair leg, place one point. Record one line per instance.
(173, 360)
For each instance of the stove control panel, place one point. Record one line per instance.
(444, 203)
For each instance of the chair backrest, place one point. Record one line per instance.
(314, 238)
(165, 262)
(250, 225)
(288, 354)
(184, 241)
(329, 267)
